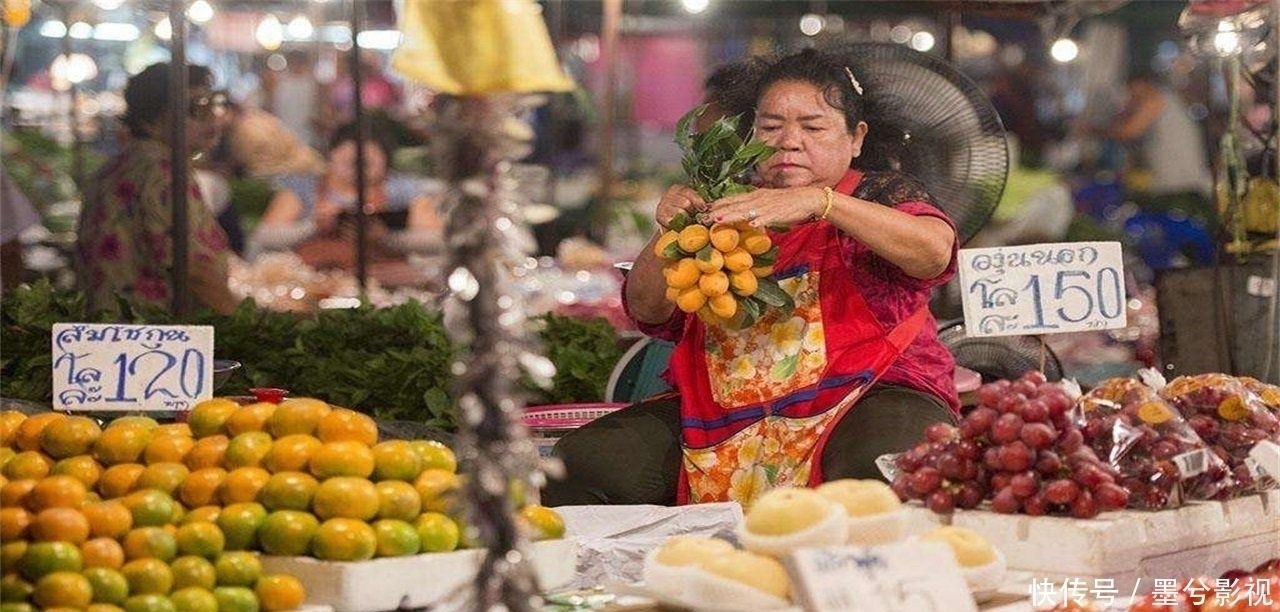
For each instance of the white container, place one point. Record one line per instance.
(416, 581)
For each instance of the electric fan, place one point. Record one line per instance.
(1000, 357)
(948, 134)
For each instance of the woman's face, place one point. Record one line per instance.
(342, 163)
(815, 147)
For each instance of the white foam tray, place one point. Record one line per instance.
(418, 581)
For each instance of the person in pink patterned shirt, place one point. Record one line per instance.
(794, 399)
(124, 250)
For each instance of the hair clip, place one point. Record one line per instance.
(853, 80)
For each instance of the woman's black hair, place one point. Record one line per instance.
(732, 87)
(376, 135)
(146, 95)
(883, 146)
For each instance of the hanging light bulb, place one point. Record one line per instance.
(922, 41)
(67, 71)
(108, 5)
(200, 11)
(811, 24)
(269, 33)
(1226, 41)
(695, 6)
(299, 28)
(1064, 50)
(164, 29)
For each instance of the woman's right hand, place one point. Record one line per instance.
(678, 199)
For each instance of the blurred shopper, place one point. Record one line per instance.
(16, 215)
(124, 249)
(293, 95)
(378, 93)
(314, 214)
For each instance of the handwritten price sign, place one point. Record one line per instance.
(1042, 288)
(900, 577)
(131, 367)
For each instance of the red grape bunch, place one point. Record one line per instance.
(1019, 448)
(1230, 417)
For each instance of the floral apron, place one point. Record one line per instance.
(756, 404)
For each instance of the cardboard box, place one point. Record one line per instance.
(417, 581)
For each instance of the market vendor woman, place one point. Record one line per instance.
(864, 371)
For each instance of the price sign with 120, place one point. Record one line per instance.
(103, 367)
(1043, 288)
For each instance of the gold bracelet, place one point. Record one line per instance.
(830, 196)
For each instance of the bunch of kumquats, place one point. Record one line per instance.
(147, 517)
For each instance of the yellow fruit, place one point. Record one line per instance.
(208, 452)
(119, 480)
(249, 418)
(738, 260)
(546, 524)
(436, 454)
(344, 539)
(41, 558)
(150, 542)
(14, 493)
(203, 514)
(13, 589)
(672, 294)
(135, 420)
(291, 453)
(243, 484)
(345, 424)
(28, 465)
(437, 532)
(165, 430)
(148, 577)
(14, 523)
(346, 497)
(744, 283)
(29, 431)
(247, 449)
(787, 510)
(200, 539)
(168, 448)
(437, 489)
(9, 422)
(63, 589)
(69, 437)
(396, 460)
(238, 568)
(398, 500)
(210, 416)
(107, 519)
(193, 599)
(192, 571)
(691, 299)
(724, 237)
(396, 538)
(56, 492)
(300, 415)
(239, 524)
(693, 237)
(102, 552)
(709, 260)
(724, 305)
(121, 444)
(167, 477)
(279, 592)
(762, 271)
(59, 525)
(342, 458)
(150, 508)
(11, 552)
(289, 491)
(149, 602)
(682, 274)
(756, 243)
(202, 487)
(664, 241)
(713, 284)
(109, 585)
(288, 532)
(81, 467)
(235, 599)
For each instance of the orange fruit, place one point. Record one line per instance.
(693, 237)
(208, 452)
(762, 271)
(168, 448)
(65, 589)
(299, 415)
(436, 532)
(280, 592)
(249, 418)
(239, 524)
(150, 508)
(713, 284)
(342, 458)
(247, 449)
(345, 424)
(238, 568)
(236, 599)
(102, 552)
(68, 437)
(210, 417)
(243, 484)
(81, 467)
(545, 523)
(744, 283)
(203, 514)
(200, 539)
(28, 464)
(288, 532)
(396, 538)
(666, 239)
(398, 500)
(344, 539)
(346, 497)
(194, 599)
(291, 453)
(202, 487)
(14, 493)
(29, 431)
(121, 443)
(59, 525)
(6, 453)
(289, 491)
(43, 558)
(173, 429)
(166, 476)
(396, 460)
(109, 585)
(10, 420)
(11, 552)
(135, 420)
(150, 542)
(107, 519)
(104, 607)
(723, 305)
(14, 523)
(756, 242)
(147, 577)
(119, 480)
(435, 454)
(682, 274)
(738, 260)
(437, 489)
(691, 299)
(724, 237)
(149, 602)
(193, 571)
(709, 260)
(14, 589)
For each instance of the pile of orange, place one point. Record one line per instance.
(722, 272)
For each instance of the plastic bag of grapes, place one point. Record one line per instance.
(1230, 418)
(1161, 460)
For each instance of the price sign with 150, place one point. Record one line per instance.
(103, 367)
(1043, 288)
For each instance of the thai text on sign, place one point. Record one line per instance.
(102, 367)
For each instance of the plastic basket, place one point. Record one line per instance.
(547, 423)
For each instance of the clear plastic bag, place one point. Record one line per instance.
(1230, 418)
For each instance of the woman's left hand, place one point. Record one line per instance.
(770, 207)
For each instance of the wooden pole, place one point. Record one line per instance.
(178, 86)
(609, 56)
(362, 232)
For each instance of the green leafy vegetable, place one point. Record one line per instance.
(716, 160)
